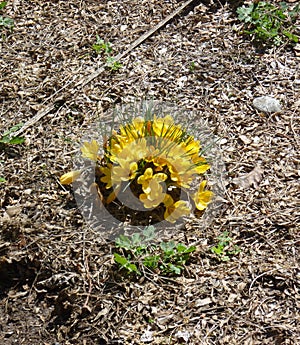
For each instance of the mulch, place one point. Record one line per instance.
(58, 280)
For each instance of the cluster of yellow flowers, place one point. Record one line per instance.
(156, 159)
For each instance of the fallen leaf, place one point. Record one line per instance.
(13, 210)
(183, 335)
(245, 139)
(232, 297)
(252, 178)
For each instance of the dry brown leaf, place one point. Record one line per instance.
(251, 179)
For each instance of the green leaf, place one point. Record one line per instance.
(123, 242)
(4, 140)
(13, 129)
(151, 261)
(269, 22)
(235, 250)
(6, 22)
(181, 248)
(13, 141)
(132, 268)
(2, 4)
(217, 250)
(191, 249)
(135, 239)
(175, 269)
(244, 13)
(284, 6)
(294, 12)
(16, 140)
(120, 259)
(167, 246)
(112, 63)
(2, 180)
(149, 233)
(291, 36)
(224, 239)
(102, 45)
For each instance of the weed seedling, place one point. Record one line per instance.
(126, 264)
(222, 249)
(269, 23)
(5, 22)
(138, 252)
(8, 139)
(113, 64)
(105, 47)
(192, 66)
(101, 46)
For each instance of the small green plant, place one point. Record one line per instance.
(5, 22)
(174, 256)
(8, 139)
(2, 180)
(139, 252)
(269, 23)
(105, 47)
(101, 46)
(192, 66)
(222, 250)
(126, 264)
(113, 64)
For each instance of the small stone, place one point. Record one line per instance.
(267, 104)
(28, 191)
(147, 337)
(183, 335)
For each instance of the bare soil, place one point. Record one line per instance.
(58, 281)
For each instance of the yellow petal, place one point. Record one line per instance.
(70, 177)
(90, 150)
(168, 200)
(203, 197)
(177, 210)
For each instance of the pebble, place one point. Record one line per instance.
(147, 337)
(267, 104)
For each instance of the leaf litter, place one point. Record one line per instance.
(58, 280)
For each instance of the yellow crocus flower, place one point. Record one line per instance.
(180, 172)
(201, 165)
(155, 195)
(70, 177)
(191, 147)
(203, 197)
(145, 179)
(178, 210)
(124, 172)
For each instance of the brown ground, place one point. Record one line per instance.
(58, 282)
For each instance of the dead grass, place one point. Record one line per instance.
(58, 283)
